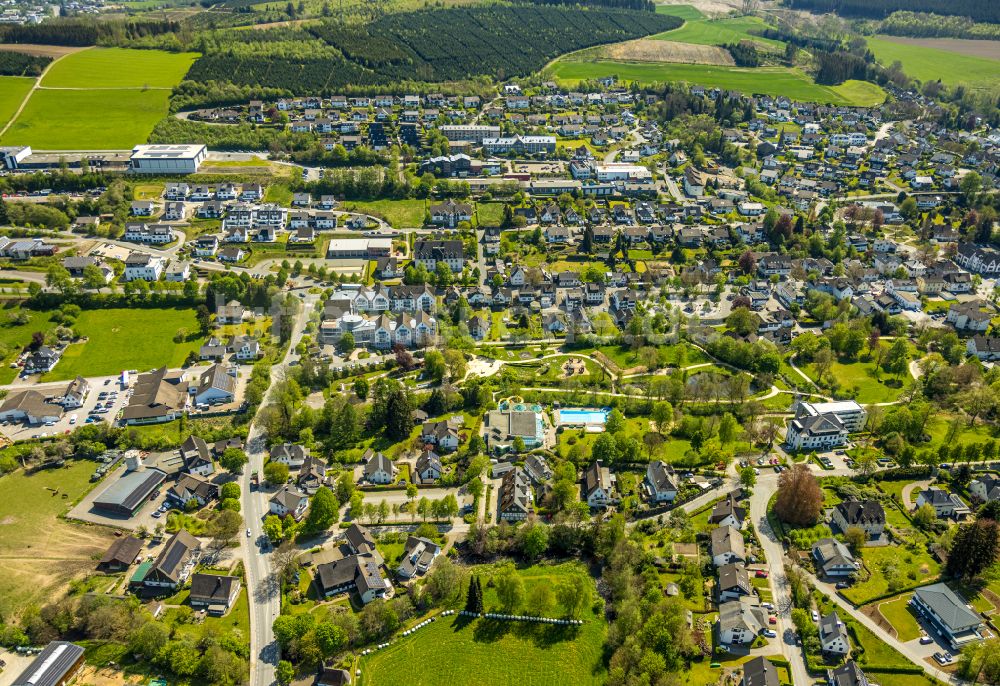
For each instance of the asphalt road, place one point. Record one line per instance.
(264, 589)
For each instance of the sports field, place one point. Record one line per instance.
(12, 92)
(773, 81)
(97, 99)
(930, 64)
(119, 68)
(720, 32)
(112, 346)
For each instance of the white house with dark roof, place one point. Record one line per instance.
(867, 515)
(740, 621)
(945, 504)
(379, 469)
(289, 454)
(726, 546)
(659, 482)
(833, 558)
(289, 501)
(833, 639)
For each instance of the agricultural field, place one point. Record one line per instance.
(88, 119)
(721, 32)
(39, 551)
(111, 342)
(685, 12)
(649, 50)
(119, 68)
(498, 653)
(98, 99)
(928, 63)
(12, 92)
(763, 80)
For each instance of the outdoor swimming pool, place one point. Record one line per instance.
(580, 417)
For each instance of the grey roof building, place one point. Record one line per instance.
(129, 493)
(760, 672)
(847, 674)
(54, 666)
(948, 613)
(833, 558)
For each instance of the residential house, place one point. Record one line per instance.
(289, 501)
(740, 622)
(833, 639)
(760, 672)
(949, 614)
(418, 556)
(214, 592)
(599, 486)
(428, 467)
(867, 515)
(379, 469)
(734, 583)
(726, 546)
(833, 559)
(659, 482)
(728, 512)
(945, 504)
(515, 498)
(172, 566)
(289, 454)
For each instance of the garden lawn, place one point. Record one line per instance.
(13, 337)
(87, 119)
(773, 81)
(489, 213)
(12, 92)
(119, 339)
(931, 64)
(119, 68)
(399, 213)
(496, 652)
(40, 552)
(912, 569)
(898, 613)
(860, 375)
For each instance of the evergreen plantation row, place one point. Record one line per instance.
(430, 45)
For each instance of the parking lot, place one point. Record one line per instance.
(113, 400)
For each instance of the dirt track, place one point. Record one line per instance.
(39, 50)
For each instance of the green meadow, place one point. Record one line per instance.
(12, 92)
(720, 32)
(112, 337)
(772, 81)
(931, 64)
(119, 68)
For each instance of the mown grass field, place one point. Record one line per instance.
(88, 120)
(861, 375)
(495, 653)
(772, 81)
(931, 64)
(98, 99)
(912, 568)
(119, 68)
(127, 339)
(399, 213)
(12, 92)
(720, 32)
(685, 12)
(39, 552)
(898, 613)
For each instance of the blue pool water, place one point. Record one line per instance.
(571, 416)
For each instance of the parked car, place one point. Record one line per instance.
(770, 633)
(842, 584)
(926, 640)
(815, 616)
(760, 574)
